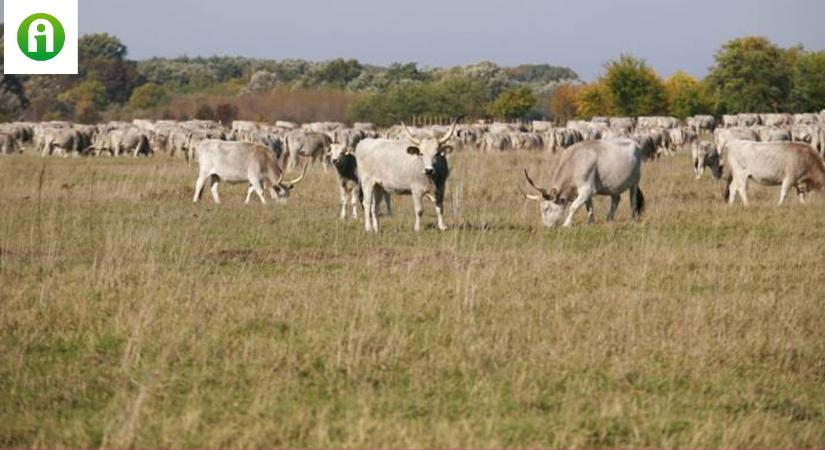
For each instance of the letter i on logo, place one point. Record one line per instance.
(41, 37)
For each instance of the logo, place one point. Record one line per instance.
(41, 37)
(47, 37)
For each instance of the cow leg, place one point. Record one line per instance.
(369, 209)
(439, 210)
(355, 193)
(801, 191)
(614, 204)
(199, 187)
(584, 195)
(783, 193)
(742, 187)
(344, 200)
(215, 181)
(388, 201)
(419, 209)
(591, 218)
(249, 195)
(259, 189)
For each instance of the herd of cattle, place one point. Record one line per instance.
(602, 156)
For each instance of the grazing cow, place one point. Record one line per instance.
(771, 164)
(238, 162)
(117, 142)
(705, 154)
(416, 166)
(608, 167)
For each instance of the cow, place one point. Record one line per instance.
(238, 162)
(119, 141)
(608, 167)
(416, 166)
(771, 164)
(705, 154)
(346, 167)
(724, 135)
(306, 145)
(63, 140)
(9, 144)
(774, 134)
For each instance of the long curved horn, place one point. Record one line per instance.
(529, 197)
(298, 180)
(542, 191)
(409, 135)
(449, 135)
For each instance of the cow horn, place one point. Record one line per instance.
(449, 135)
(298, 180)
(542, 191)
(409, 135)
(529, 196)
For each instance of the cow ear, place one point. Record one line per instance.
(446, 149)
(414, 151)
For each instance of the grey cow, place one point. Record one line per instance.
(608, 167)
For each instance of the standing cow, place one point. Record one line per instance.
(415, 166)
(608, 167)
(705, 154)
(771, 164)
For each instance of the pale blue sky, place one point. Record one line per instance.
(581, 34)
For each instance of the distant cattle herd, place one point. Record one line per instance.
(602, 156)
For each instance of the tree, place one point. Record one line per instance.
(101, 45)
(336, 73)
(148, 96)
(456, 96)
(262, 81)
(226, 113)
(513, 103)
(808, 93)
(205, 112)
(635, 88)
(102, 58)
(686, 96)
(562, 104)
(750, 75)
(88, 98)
(595, 99)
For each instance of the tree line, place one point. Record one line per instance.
(749, 75)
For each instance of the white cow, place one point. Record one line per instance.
(771, 164)
(238, 162)
(590, 168)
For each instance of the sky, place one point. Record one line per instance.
(580, 34)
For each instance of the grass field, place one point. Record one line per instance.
(131, 317)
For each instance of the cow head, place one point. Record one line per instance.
(714, 162)
(551, 203)
(430, 149)
(336, 151)
(282, 189)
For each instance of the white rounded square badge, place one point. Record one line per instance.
(40, 37)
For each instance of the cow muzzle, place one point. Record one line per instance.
(429, 171)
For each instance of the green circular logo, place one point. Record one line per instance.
(41, 37)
